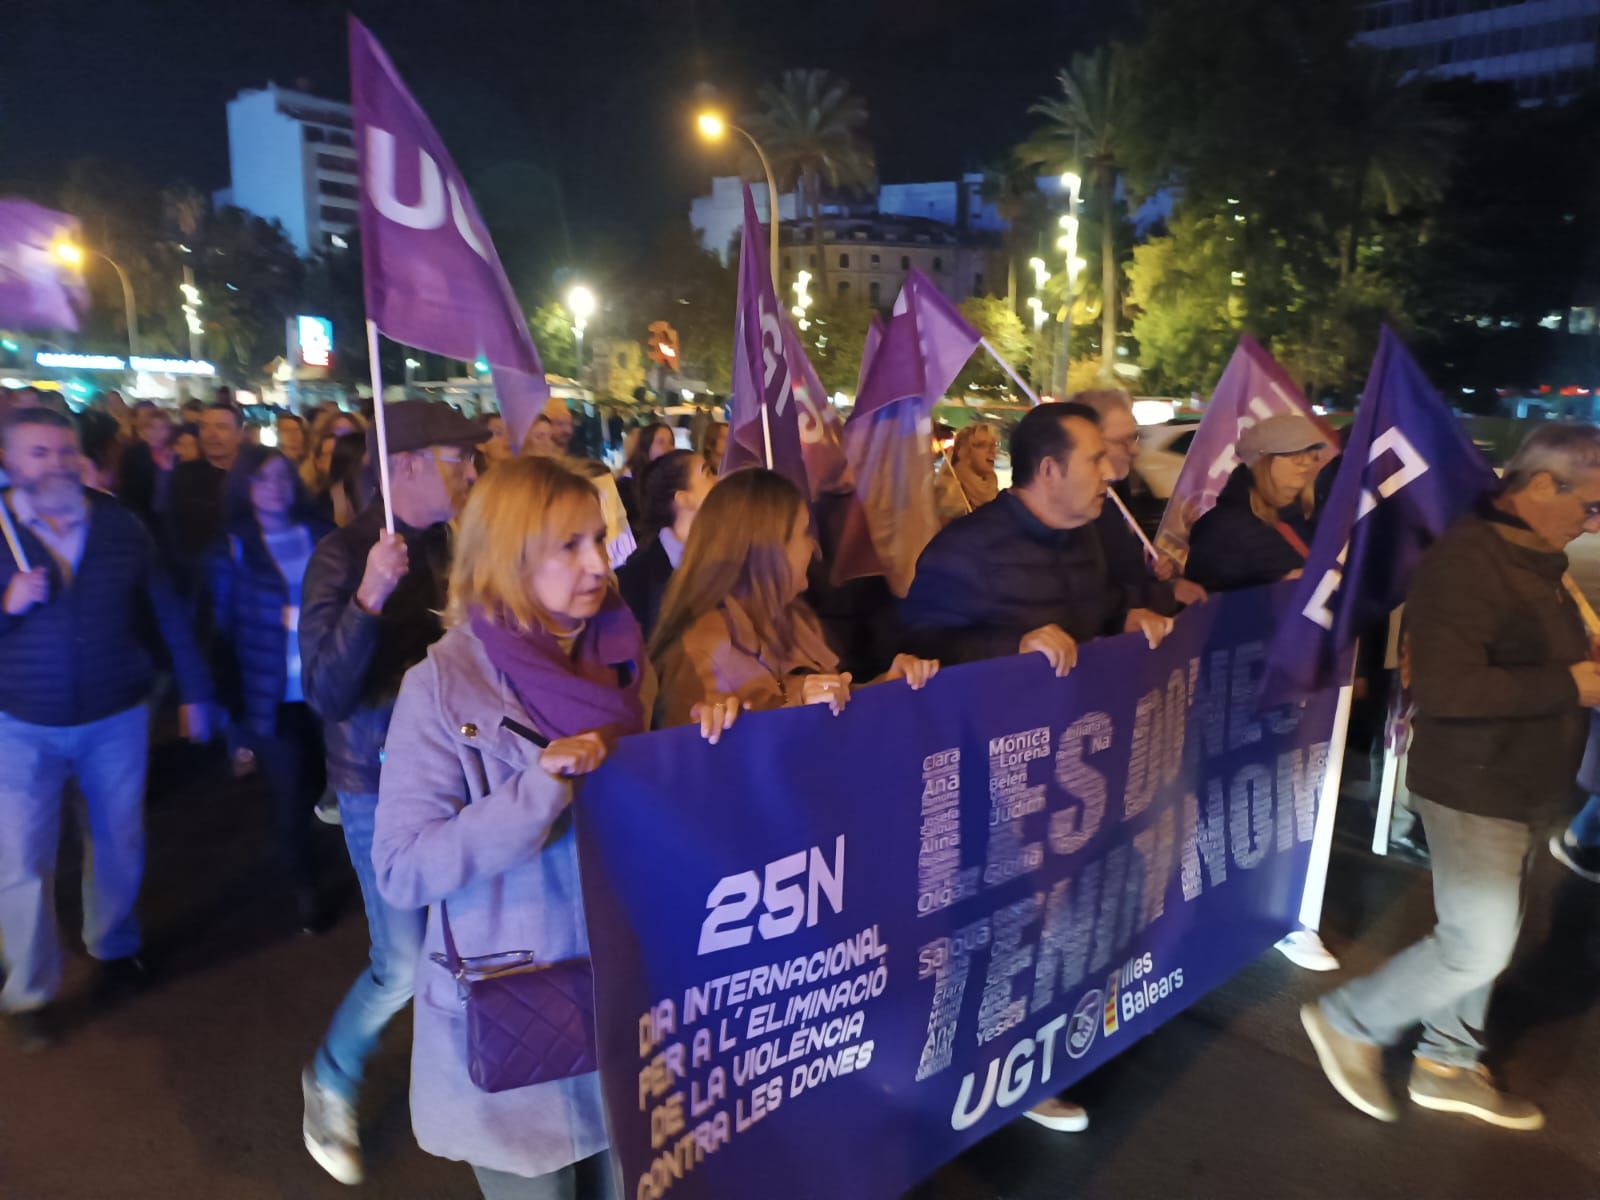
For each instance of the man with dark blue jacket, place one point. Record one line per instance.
(75, 674)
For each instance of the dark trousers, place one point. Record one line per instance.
(291, 764)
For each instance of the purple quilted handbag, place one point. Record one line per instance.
(527, 1022)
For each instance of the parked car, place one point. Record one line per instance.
(1161, 452)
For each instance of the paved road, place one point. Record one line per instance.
(191, 1090)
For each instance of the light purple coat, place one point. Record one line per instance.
(465, 814)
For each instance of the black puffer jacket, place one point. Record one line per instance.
(998, 573)
(352, 662)
(249, 642)
(1232, 548)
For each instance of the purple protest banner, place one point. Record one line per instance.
(432, 277)
(1252, 388)
(1407, 473)
(36, 291)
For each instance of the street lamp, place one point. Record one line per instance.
(713, 127)
(581, 304)
(1068, 243)
(802, 298)
(73, 255)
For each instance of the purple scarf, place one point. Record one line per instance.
(571, 694)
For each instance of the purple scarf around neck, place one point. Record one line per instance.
(568, 694)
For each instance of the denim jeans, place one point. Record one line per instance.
(1480, 865)
(384, 988)
(591, 1179)
(107, 760)
(1585, 827)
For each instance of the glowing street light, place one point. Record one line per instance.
(713, 127)
(802, 298)
(1068, 245)
(70, 254)
(581, 304)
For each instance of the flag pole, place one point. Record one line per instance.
(951, 467)
(1009, 370)
(378, 424)
(11, 537)
(766, 433)
(1322, 834)
(1591, 622)
(1149, 549)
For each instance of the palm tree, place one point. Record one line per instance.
(1012, 187)
(1086, 125)
(1397, 153)
(810, 126)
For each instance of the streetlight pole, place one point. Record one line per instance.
(712, 128)
(1069, 244)
(73, 255)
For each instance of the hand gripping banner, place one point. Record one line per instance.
(831, 953)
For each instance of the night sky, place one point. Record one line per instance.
(597, 92)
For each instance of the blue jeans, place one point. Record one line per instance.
(384, 988)
(1585, 827)
(107, 759)
(1443, 982)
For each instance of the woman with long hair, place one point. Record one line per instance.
(330, 425)
(1261, 527)
(541, 669)
(674, 488)
(349, 486)
(733, 621)
(649, 443)
(271, 529)
(713, 444)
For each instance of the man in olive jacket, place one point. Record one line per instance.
(1501, 671)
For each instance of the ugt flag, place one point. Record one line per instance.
(431, 274)
(36, 290)
(906, 368)
(1408, 472)
(1253, 388)
(769, 381)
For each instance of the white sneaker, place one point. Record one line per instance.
(1305, 949)
(1059, 1114)
(330, 1130)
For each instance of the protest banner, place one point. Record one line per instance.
(832, 952)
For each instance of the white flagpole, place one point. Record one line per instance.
(11, 537)
(1149, 550)
(766, 433)
(1009, 370)
(1322, 835)
(382, 430)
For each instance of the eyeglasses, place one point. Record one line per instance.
(1132, 441)
(451, 457)
(1302, 457)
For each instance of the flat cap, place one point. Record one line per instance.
(1287, 433)
(418, 424)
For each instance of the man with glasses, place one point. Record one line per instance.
(371, 601)
(1502, 675)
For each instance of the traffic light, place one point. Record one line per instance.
(663, 344)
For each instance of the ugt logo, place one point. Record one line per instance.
(429, 210)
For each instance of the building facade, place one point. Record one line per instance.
(292, 159)
(1544, 49)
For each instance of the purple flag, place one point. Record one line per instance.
(764, 421)
(432, 277)
(869, 350)
(36, 290)
(1408, 472)
(1252, 388)
(905, 371)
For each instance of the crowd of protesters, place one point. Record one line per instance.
(445, 677)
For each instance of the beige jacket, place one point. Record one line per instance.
(720, 655)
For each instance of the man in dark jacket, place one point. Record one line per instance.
(75, 674)
(1027, 573)
(1500, 667)
(370, 606)
(194, 496)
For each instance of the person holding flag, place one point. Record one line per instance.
(1501, 670)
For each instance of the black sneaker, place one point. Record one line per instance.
(120, 979)
(33, 1031)
(1580, 860)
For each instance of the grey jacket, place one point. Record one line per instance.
(466, 815)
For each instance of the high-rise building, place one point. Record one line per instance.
(1544, 49)
(292, 157)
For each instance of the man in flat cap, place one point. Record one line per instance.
(369, 614)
